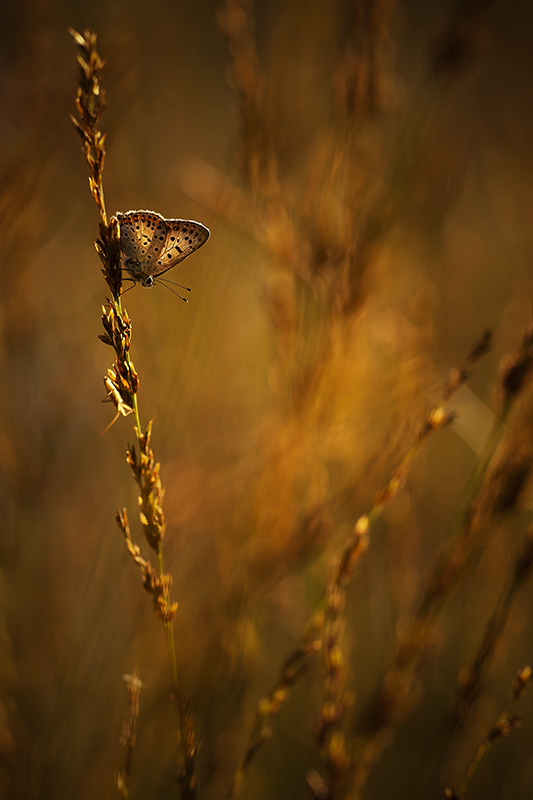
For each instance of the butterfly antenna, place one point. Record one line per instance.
(175, 284)
(172, 290)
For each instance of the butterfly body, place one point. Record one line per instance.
(151, 245)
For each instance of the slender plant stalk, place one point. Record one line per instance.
(127, 739)
(472, 680)
(461, 527)
(472, 683)
(507, 720)
(122, 383)
(392, 699)
(311, 641)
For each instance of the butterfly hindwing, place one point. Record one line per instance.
(158, 235)
(183, 237)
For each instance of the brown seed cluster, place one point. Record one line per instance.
(121, 381)
(91, 103)
(157, 585)
(146, 473)
(335, 701)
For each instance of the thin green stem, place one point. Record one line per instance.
(136, 410)
(169, 629)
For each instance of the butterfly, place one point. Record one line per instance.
(151, 245)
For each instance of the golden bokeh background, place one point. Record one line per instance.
(321, 329)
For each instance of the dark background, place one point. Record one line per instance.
(444, 162)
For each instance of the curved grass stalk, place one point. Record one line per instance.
(311, 641)
(122, 383)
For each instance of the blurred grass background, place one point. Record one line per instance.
(438, 175)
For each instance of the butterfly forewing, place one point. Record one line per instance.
(152, 245)
(136, 235)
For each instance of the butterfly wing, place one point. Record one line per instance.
(140, 231)
(183, 237)
(151, 245)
